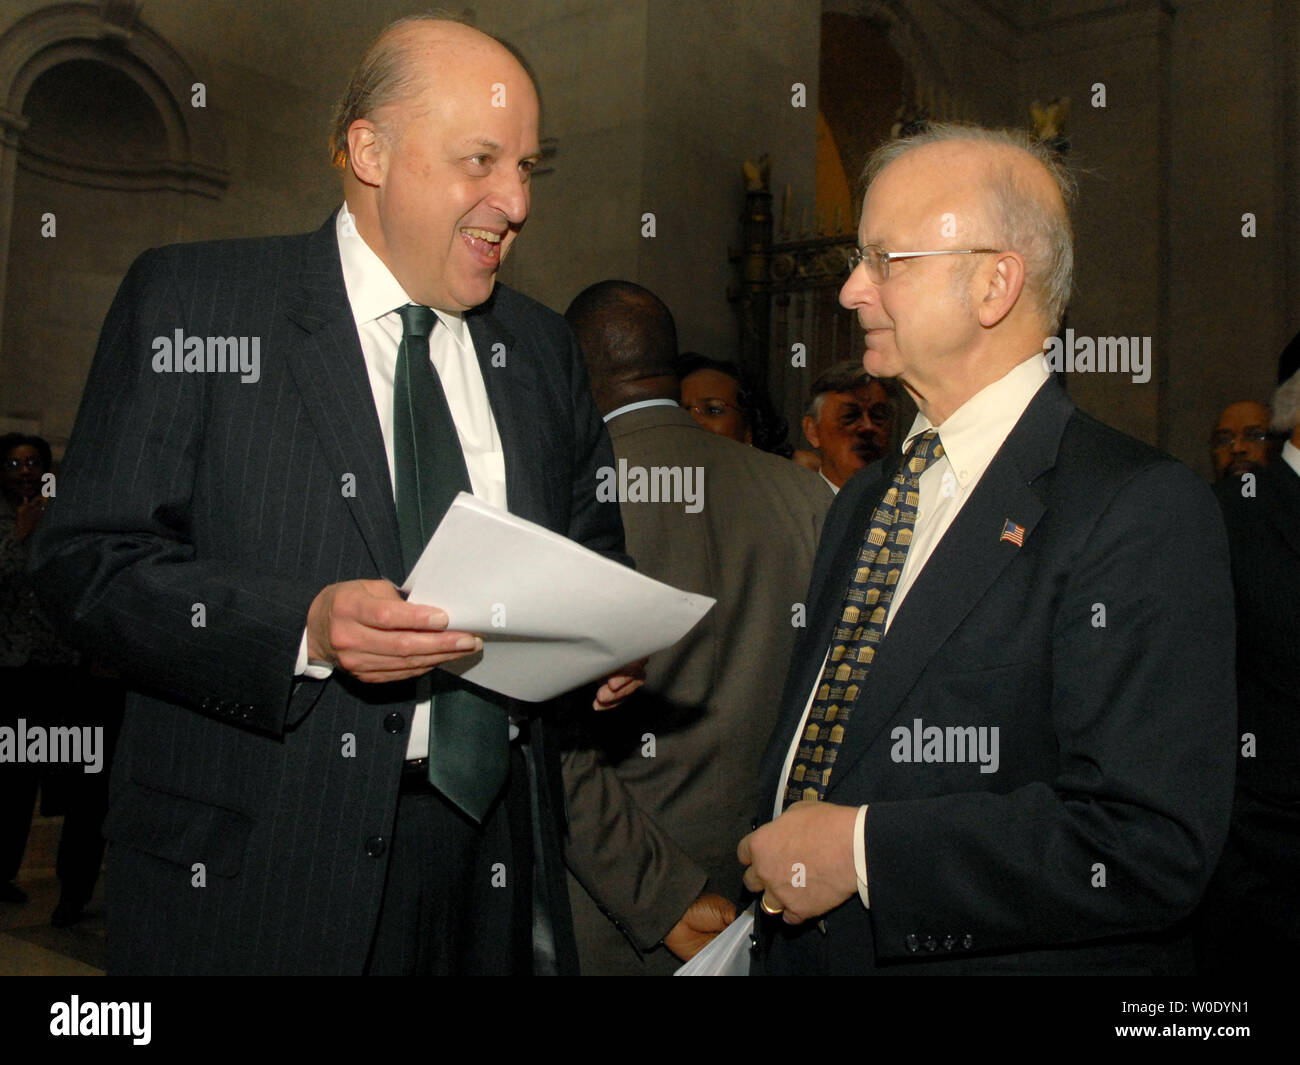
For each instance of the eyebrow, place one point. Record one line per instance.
(493, 146)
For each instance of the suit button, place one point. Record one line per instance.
(949, 942)
(753, 943)
(375, 846)
(967, 941)
(931, 943)
(753, 824)
(246, 710)
(912, 944)
(394, 723)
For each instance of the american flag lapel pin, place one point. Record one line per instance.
(1013, 533)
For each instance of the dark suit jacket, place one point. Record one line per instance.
(1115, 729)
(648, 834)
(1252, 909)
(184, 491)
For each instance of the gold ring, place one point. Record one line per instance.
(768, 909)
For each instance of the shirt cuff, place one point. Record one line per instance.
(860, 855)
(314, 670)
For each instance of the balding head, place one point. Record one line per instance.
(440, 127)
(629, 341)
(1010, 191)
(967, 260)
(403, 62)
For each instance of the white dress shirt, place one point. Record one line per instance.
(1291, 456)
(374, 295)
(971, 437)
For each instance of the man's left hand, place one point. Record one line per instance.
(620, 685)
(802, 862)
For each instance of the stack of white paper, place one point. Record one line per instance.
(553, 615)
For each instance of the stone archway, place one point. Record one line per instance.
(120, 173)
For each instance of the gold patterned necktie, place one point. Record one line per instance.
(861, 624)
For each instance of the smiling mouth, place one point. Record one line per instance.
(483, 241)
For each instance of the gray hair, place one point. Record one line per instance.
(847, 375)
(1286, 405)
(1021, 221)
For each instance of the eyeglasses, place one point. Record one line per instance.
(877, 259)
(1222, 438)
(24, 464)
(713, 408)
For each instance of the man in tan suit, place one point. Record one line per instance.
(658, 796)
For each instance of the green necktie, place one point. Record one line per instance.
(469, 740)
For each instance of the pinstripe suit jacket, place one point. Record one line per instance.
(197, 518)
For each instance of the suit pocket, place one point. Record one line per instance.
(179, 829)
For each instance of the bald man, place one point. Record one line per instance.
(297, 788)
(1006, 743)
(1241, 441)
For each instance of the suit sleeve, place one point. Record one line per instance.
(115, 559)
(1124, 839)
(638, 876)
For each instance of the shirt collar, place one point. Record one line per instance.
(974, 432)
(373, 291)
(1291, 456)
(627, 408)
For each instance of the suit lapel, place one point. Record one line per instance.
(330, 370)
(1281, 495)
(964, 564)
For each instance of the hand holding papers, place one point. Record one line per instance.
(553, 615)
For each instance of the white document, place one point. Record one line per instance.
(553, 615)
(727, 954)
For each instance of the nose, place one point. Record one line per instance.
(510, 195)
(857, 289)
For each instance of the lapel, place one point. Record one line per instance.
(330, 371)
(962, 567)
(1280, 495)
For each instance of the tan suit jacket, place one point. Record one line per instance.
(661, 790)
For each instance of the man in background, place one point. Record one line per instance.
(658, 792)
(1251, 915)
(850, 420)
(1241, 440)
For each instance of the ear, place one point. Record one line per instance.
(810, 431)
(1003, 290)
(367, 152)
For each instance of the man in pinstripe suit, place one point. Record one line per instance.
(232, 540)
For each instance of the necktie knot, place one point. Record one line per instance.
(925, 449)
(417, 321)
